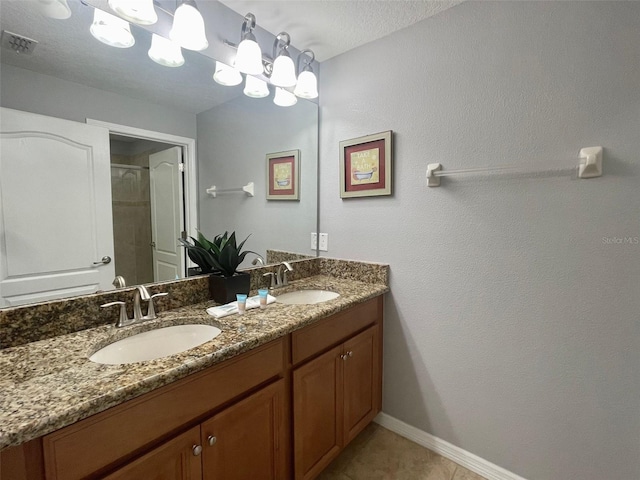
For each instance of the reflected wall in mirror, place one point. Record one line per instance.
(229, 160)
(72, 76)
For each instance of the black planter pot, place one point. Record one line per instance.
(224, 289)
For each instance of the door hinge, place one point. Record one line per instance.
(183, 235)
(181, 167)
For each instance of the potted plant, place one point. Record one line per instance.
(220, 258)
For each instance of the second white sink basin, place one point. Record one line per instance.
(153, 344)
(306, 297)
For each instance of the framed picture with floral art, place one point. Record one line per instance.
(283, 175)
(366, 166)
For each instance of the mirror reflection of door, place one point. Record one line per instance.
(166, 213)
(148, 209)
(55, 212)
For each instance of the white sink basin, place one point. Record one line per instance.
(306, 297)
(153, 344)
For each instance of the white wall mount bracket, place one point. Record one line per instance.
(590, 162)
(432, 180)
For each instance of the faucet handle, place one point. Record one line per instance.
(122, 319)
(151, 311)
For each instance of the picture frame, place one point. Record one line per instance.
(366, 166)
(283, 175)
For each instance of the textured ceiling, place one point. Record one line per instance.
(68, 51)
(332, 27)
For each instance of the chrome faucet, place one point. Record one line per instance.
(281, 274)
(142, 294)
(279, 277)
(258, 260)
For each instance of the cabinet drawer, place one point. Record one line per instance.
(325, 333)
(121, 432)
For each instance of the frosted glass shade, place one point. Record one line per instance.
(249, 57)
(188, 27)
(307, 86)
(164, 52)
(255, 88)
(226, 75)
(284, 72)
(111, 30)
(140, 12)
(284, 98)
(58, 9)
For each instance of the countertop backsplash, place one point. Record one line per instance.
(30, 323)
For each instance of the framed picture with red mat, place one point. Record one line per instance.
(366, 166)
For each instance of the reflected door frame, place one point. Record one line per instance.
(190, 171)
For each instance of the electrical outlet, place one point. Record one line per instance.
(324, 242)
(314, 241)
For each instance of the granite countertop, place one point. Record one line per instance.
(49, 384)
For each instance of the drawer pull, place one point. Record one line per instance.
(197, 450)
(212, 440)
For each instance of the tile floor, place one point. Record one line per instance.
(379, 454)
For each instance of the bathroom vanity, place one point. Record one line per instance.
(276, 396)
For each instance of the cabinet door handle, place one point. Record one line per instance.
(211, 440)
(197, 450)
(343, 357)
(350, 353)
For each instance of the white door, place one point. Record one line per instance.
(166, 214)
(55, 208)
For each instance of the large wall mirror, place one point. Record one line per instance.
(72, 77)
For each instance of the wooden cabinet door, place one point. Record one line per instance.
(177, 459)
(317, 413)
(360, 382)
(247, 440)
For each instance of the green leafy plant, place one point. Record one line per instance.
(221, 255)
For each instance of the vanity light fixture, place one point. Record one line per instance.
(307, 86)
(164, 52)
(284, 98)
(111, 30)
(188, 27)
(58, 9)
(284, 71)
(226, 75)
(255, 88)
(249, 57)
(140, 12)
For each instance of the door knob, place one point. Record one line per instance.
(212, 440)
(106, 259)
(197, 450)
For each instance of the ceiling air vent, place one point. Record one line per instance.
(18, 43)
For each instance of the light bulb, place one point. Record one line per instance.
(255, 88)
(226, 75)
(164, 52)
(284, 98)
(307, 86)
(249, 57)
(284, 71)
(188, 27)
(111, 30)
(140, 12)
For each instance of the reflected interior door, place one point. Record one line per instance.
(55, 208)
(167, 215)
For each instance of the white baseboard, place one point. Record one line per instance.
(466, 459)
